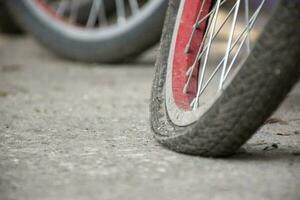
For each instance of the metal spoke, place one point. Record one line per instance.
(201, 52)
(191, 69)
(220, 64)
(102, 18)
(73, 11)
(207, 53)
(93, 13)
(97, 14)
(121, 13)
(195, 27)
(249, 27)
(246, 22)
(237, 6)
(225, 72)
(62, 6)
(241, 36)
(199, 22)
(134, 6)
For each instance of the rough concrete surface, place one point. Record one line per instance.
(75, 131)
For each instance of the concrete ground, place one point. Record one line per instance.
(75, 131)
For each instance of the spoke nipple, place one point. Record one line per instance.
(185, 88)
(196, 26)
(193, 103)
(189, 71)
(187, 50)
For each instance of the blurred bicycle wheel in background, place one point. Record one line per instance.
(92, 30)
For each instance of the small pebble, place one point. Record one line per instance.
(296, 153)
(297, 132)
(272, 147)
(283, 134)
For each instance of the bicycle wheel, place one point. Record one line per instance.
(209, 97)
(92, 30)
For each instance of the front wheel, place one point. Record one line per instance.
(213, 88)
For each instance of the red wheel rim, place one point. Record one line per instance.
(181, 60)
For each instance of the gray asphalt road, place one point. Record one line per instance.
(75, 131)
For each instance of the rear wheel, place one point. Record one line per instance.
(93, 30)
(208, 96)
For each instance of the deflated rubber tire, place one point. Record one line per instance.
(255, 92)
